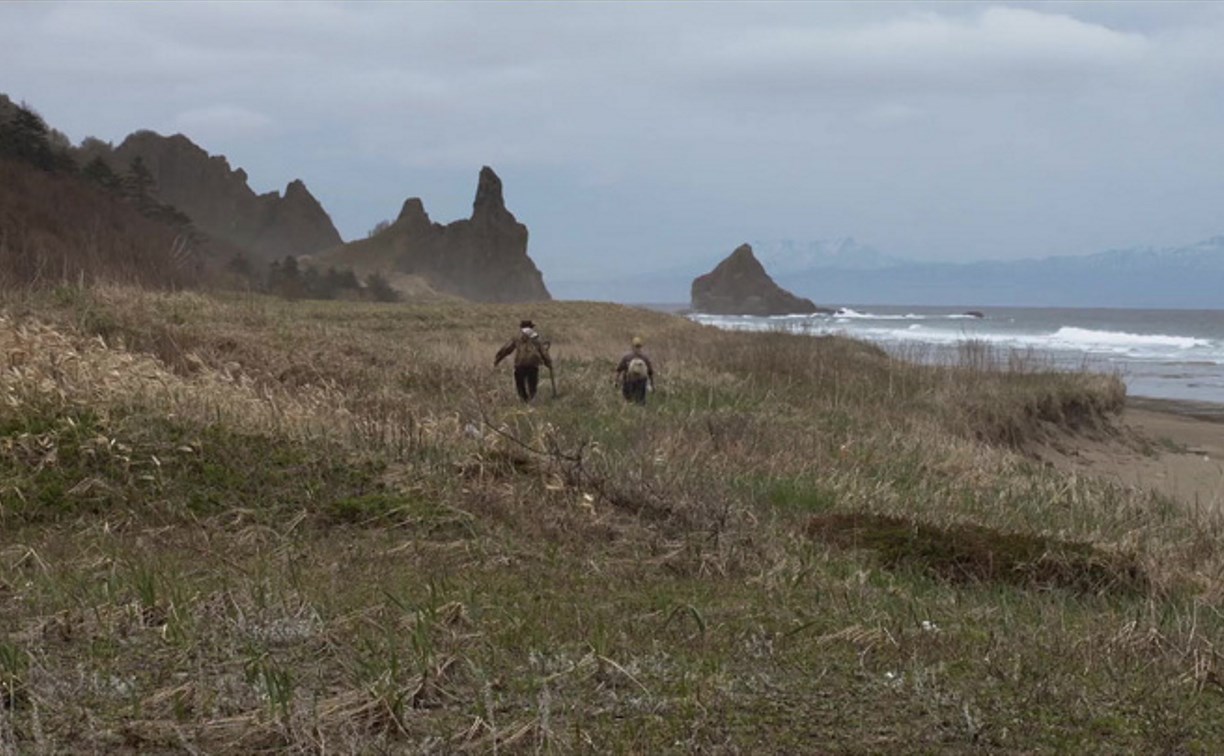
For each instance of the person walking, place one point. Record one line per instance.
(635, 374)
(529, 353)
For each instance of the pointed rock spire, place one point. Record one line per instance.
(295, 188)
(744, 259)
(413, 211)
(489, 199)
(483, 258)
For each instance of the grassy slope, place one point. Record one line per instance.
(242, 524)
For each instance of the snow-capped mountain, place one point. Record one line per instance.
(783, 256)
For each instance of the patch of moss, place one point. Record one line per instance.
(974, 553)
(367, 507)
(801, 496)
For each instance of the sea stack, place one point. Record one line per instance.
(739, 285)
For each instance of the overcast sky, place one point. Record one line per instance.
(636, 136)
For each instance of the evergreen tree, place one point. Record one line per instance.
(273, 282)
(313, 285)
(62, 161)
(24, 137)
(290, 283)
(101, 174)
(138, 185)
(240, 265)
(380, 289)
(331, 284)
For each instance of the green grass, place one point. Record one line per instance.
(77, 462)
(353, 535)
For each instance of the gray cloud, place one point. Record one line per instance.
(671, 132)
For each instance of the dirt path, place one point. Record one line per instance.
(1176, 448)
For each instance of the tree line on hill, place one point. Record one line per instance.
(60, 223)
(290, 279)
(26, 138)
(64, 222)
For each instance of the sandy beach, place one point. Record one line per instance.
(1173, 447)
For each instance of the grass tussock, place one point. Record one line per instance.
(233, 524)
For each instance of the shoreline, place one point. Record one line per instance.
(1173, 447)
(1211, 412)
(1154, 360)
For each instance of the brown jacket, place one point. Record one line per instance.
(528, 350)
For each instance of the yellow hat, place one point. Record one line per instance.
(637, 340)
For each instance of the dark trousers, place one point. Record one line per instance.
(634, 391)
(526, 379)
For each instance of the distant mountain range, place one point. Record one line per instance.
(840, 271)
(785, 256)
(1181, 277)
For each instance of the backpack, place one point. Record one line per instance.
(531, 350)
(541, 348)
(637, 369)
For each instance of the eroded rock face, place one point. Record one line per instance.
(739, 285)
(221, 203)
(483, 258)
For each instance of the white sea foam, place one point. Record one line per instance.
(937, 331)
(1067, 338)
(1182, 358)
(847, 313)
(1086, 337)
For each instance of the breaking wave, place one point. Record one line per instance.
(1172, 354)
(936, 330)
(1095, 339)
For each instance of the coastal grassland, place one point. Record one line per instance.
(237, 524)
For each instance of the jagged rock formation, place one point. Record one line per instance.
(483, 258)
(221, 204)
(739, 285)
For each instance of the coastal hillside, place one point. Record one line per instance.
(61, 223)
(241, 524)
(482, 258)
(221, 231)
(218, 199)
(56, 228)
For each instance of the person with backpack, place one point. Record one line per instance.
(529, 353)
(635, 374)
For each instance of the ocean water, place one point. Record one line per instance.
(1170, 354)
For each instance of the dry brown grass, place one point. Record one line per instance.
(234, 524)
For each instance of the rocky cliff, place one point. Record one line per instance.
(483, 258)
(221, 203)
(739, 285)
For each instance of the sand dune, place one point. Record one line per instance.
(1173, 447)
